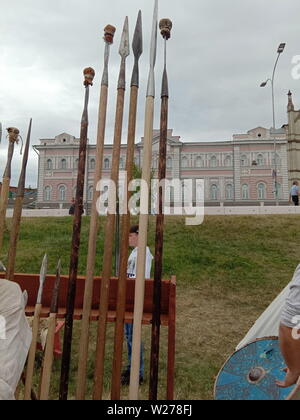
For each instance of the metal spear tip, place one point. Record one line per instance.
(137, 43)
(43, 274)
(165, 26)
(109, 33)
(89, 74)
(2, 267)
(154, 35)
(25, 298)
(58, 268)
(124, 50)
(44, 267)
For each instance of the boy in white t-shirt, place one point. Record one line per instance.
(131, 273)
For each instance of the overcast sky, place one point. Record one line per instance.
(220, 52)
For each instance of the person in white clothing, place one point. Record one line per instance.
(131, 273)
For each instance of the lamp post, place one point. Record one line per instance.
(264, 84)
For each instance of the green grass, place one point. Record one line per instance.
(228, 270)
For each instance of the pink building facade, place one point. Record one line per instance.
(240, 171)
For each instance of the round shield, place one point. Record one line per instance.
(251, 372)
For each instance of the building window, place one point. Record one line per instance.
(213, 162)
(278, 160)
(245, 192)
(106, 164)
(47, 194)
(49, 165)
(169, 163)
(76, 164)
(229, 192)
(92, 164)
(260, 160)
(90, 193)
(261, 191)
(184, 162)
(244, 161)
(121, 163)
(228, 161)
(214, 192)
(63, 164)
(199, 162)
(62, 193)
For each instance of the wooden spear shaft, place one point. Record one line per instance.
(13, 134)
(48, 358)
(94, 224)
(143, 220)
(110, 223)
(89, 74)
(16, 221)
(165, 26)
(35, 331)
(137, 47)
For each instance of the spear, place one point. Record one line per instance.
(88, 293)
(13, 136)
(48, 358)
(35, 330)
(165, 27)
(137, 46)
(89, 75)
(143, 220)
(110, 223)
(16, 221)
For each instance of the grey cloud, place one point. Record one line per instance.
(219, 53)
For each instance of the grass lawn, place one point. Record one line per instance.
(228, 270)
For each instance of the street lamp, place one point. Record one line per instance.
(264, 84)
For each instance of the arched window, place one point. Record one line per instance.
(214, 192)
(245, 192)
(63, 164)
(91, 193)
(106, 164)
(229, 192)
(244, 161)
(278, 160)
(92, 164)
(76, 163)
(47, 194)
(199, 162)
(62, 193)
(260, 160)
(261, 191)
(49, 165)
(184, 162)
(169, 163)
(213, 162)
(228, 161)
